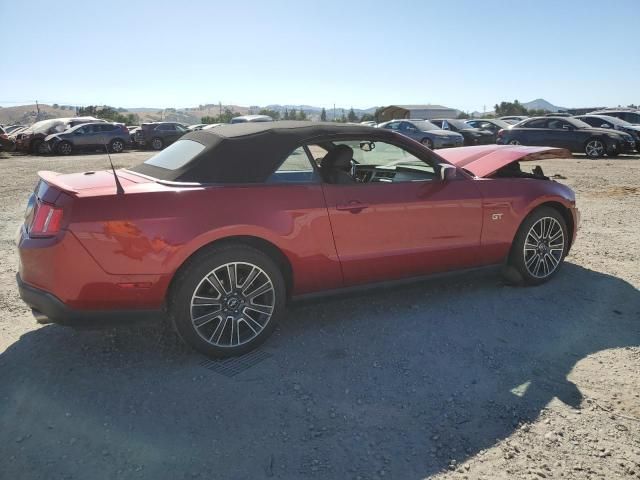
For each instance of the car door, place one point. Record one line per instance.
(82, 136)
(533, 132)
(408, 129)
(562, 135)
(386, 230)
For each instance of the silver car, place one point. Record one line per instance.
(425, 132)
(90, 136)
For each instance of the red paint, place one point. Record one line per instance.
(118, 252)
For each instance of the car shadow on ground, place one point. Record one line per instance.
(393, 383)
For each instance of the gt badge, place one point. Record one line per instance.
(496, 216)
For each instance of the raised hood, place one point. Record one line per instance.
(484, 160)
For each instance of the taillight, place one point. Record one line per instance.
(46, 220)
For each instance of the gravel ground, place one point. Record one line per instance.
(461, 377)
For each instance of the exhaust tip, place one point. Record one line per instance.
(40, 317)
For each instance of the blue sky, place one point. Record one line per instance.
(463, 53)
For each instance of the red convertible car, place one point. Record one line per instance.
(221, 229)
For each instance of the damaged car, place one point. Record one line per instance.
(32, 139)
(221, 230)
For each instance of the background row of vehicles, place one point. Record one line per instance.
(605, 132)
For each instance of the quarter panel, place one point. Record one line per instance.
(154, 233)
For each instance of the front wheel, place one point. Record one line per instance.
(227, 300)
(38, 147)
(595, 148)
(157, 143)
(540, 246)
(65, 148)
(427, 143)
(514, 142)
(116, 145)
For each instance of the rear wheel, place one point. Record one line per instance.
(64, 148)
(595, 148)
(116, 145)
(514, 142)
(427, 143)
(157, 143)
(227, 300)
(540, 246)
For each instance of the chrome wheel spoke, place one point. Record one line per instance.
(543, 247)
(232, 304)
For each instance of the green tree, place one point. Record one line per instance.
(463, 115)
(286, 114)
(106, 112)
(272, 113)
(56, 106)
(293, 114)
(367, 117)
(302, 115)
(323, 115)
(208, 119)
(510, 108)
(352, 117)
(378, 114)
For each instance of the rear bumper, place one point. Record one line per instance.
(48, 305)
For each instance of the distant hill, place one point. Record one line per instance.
(28, 114)
(542, 104)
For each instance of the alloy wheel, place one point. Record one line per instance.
(594, 148)
(427, 143)
(544, 247)
(514, 142)
(156, 143)
(117, 146)
(232, 304)
(65, 148)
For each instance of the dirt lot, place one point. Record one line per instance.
(455, 378)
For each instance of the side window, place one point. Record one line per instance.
(592, 121)
(555, 124)
(393, 126)
(539, 123)
(80, 131)
(180, 128)
(295, 169)
(474, 124)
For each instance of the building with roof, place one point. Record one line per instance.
(424, 112)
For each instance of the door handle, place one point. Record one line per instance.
(353, 206)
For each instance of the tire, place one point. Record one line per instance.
(595, 148)
(220, 321)
(538, 261)
(427, 143)
(116, 145)
(157, 143)
(514, 142)
(64, 148)
(38, 147)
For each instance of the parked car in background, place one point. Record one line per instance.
(196, 127)
(605, 121)
(212, 125)
(158, 135)
(493, 125)
(9, 129)
(251, 118)
(90, 136)
(369, 123)
(32, 138)
(425, 132)
(472, 136)
(570, 133)
(626, 114)
(378, 207)
(513, 119)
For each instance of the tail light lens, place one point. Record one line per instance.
(46, 220)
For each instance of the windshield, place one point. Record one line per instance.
(460, 124)
(424, 125)
(578, 123)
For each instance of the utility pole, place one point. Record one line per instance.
(220, 105)
(38, 108)
(334, 112)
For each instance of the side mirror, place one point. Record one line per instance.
(447, 172)
(367, 146)
(605, 125)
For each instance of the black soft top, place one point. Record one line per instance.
(250, 152)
